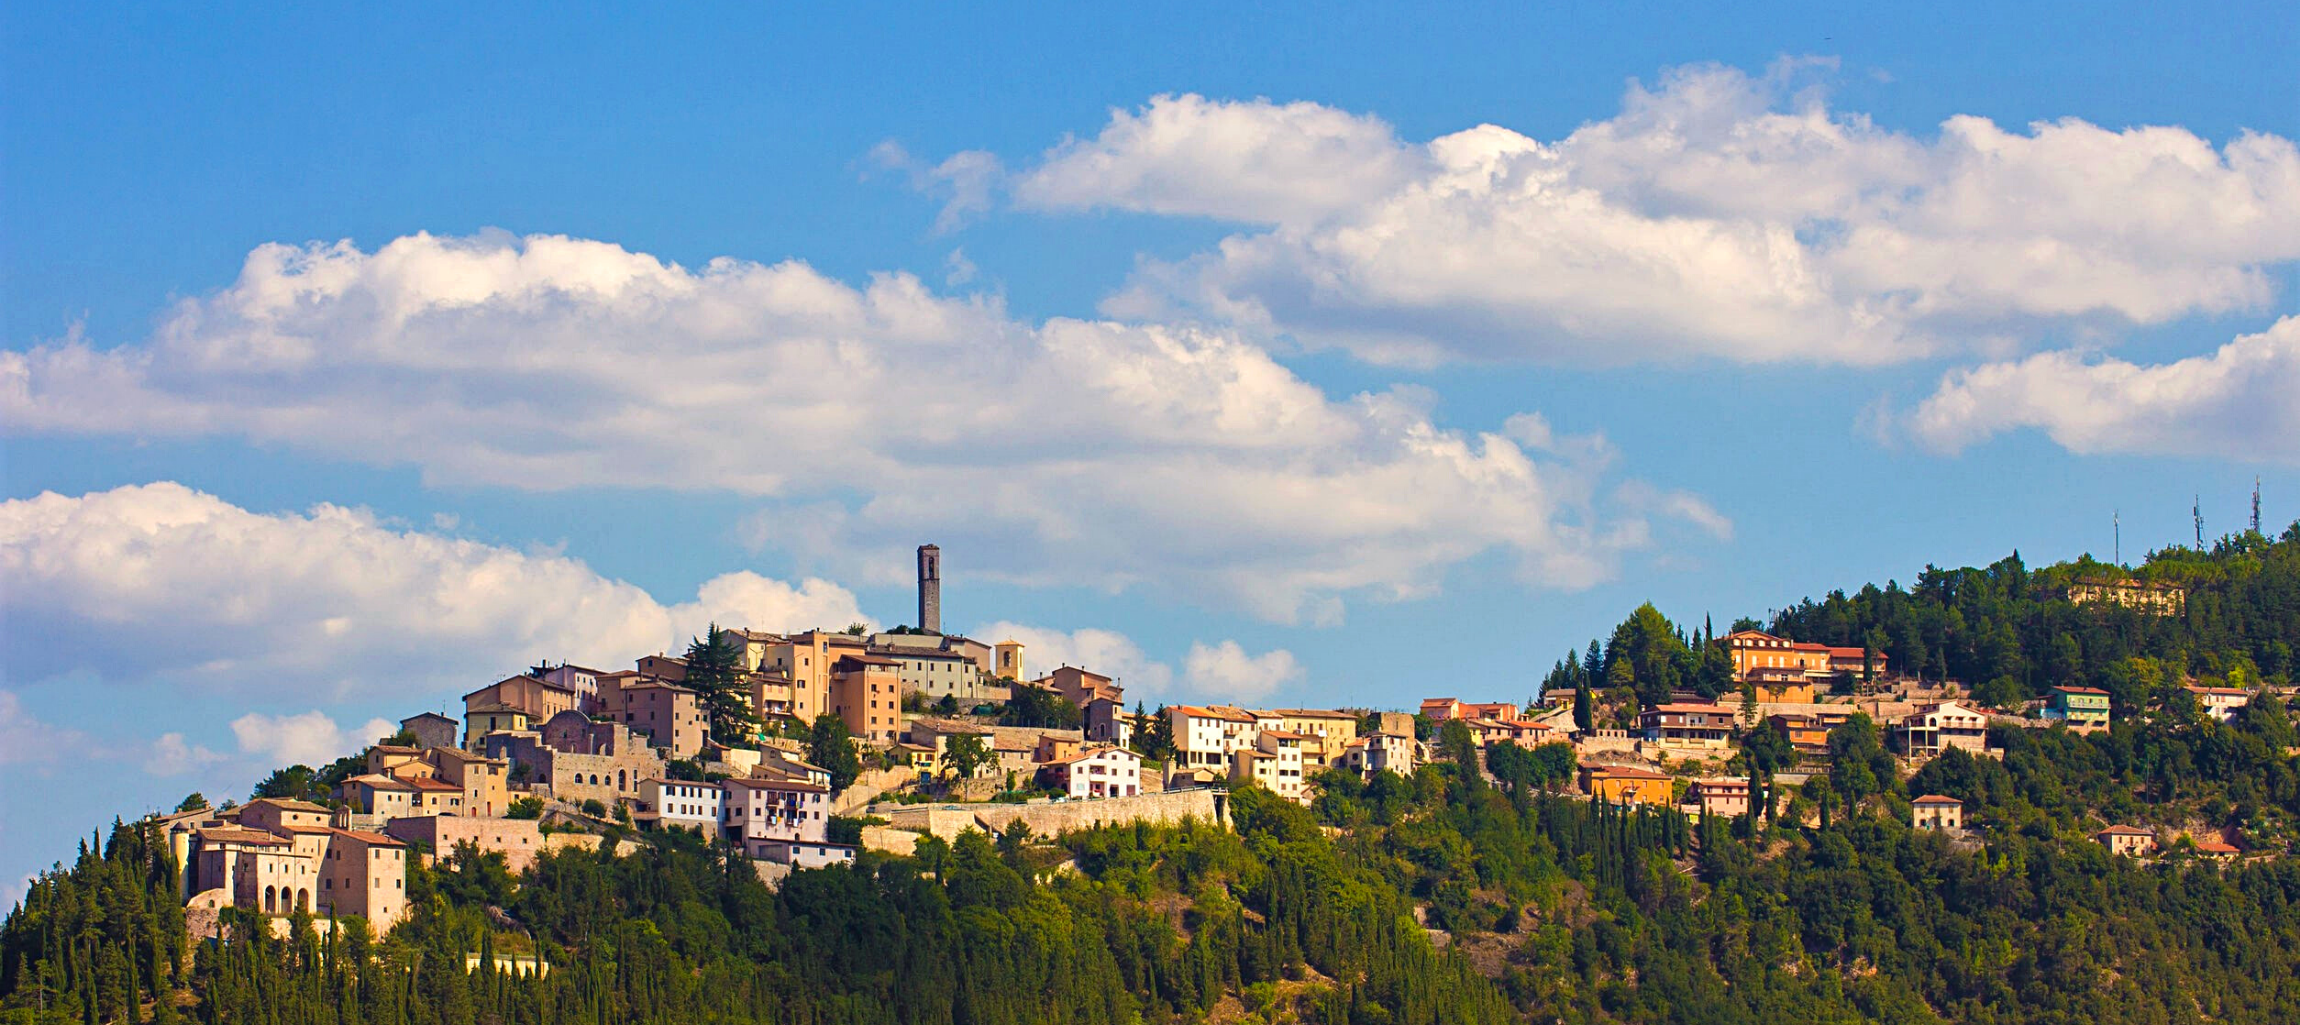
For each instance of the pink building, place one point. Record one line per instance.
(758, 810)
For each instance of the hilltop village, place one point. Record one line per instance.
(801, 749)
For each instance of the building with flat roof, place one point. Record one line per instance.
(2082, 708)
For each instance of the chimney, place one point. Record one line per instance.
(930, 589)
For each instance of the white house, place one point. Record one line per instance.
(683, 804)
(1207, 737)
(1938, 727)
(1097, 772)
(1275, 762)
(2221, 702)
(803, 855)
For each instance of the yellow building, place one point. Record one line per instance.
(1624, 784)
(807, 661)
(1327, 733)
(1784, 691)
(1006, 656)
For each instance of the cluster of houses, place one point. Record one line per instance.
(571, 743)
(1788, 685)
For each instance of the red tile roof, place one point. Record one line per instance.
(1937, 799)
(285, 804)
(370, 839)
(234, 834)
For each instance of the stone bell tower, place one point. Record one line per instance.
(930, 588)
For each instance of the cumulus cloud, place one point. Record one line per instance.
(1210, 672)
(26, 740)
(172, 755)
(1108, 652)
(1069, 451)
(308, 739)
(160, 580)
(1717, 215)
(964, 180)
(1226, 669)
(2241, 401)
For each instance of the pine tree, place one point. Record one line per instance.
(715, 674)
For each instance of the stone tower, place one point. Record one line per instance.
(930, 588)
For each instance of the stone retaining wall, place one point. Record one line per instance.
(1049, 818)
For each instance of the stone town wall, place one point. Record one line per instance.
(867, 787)
(890, 840)
(518, 840)
(1049, 818)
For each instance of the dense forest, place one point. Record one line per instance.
(1451, 895)
(2007, 631)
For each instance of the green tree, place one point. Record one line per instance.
(1040, 707)
(715, 674)
(1583, 717)
(831, 747)
(293, 783)
(194, 801)
(966, 755)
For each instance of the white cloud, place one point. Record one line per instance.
(1258, 161)
(1217, 672)
(172, 755)
(1718, 215)
(1108, 652)
(161, 580)
(25, 740)
(965, 180)
(1071, 451)
(308, 739)
(1226, 670)
(2242, 402)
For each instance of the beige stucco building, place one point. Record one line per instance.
(278, 857)
(1934, 812)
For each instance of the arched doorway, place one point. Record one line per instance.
(271, 900)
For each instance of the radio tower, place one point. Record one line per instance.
(2116, 522)
(2197, 510)
(2256, 505)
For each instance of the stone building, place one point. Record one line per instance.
(278, 857)
(669, 715)
(431, 729)
(534, 698)
(930, 589)
(577, 759)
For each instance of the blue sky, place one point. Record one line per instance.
(1203, 361)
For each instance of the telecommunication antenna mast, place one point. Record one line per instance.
(2256, 505)
(2197, 510)
(2116, 521)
